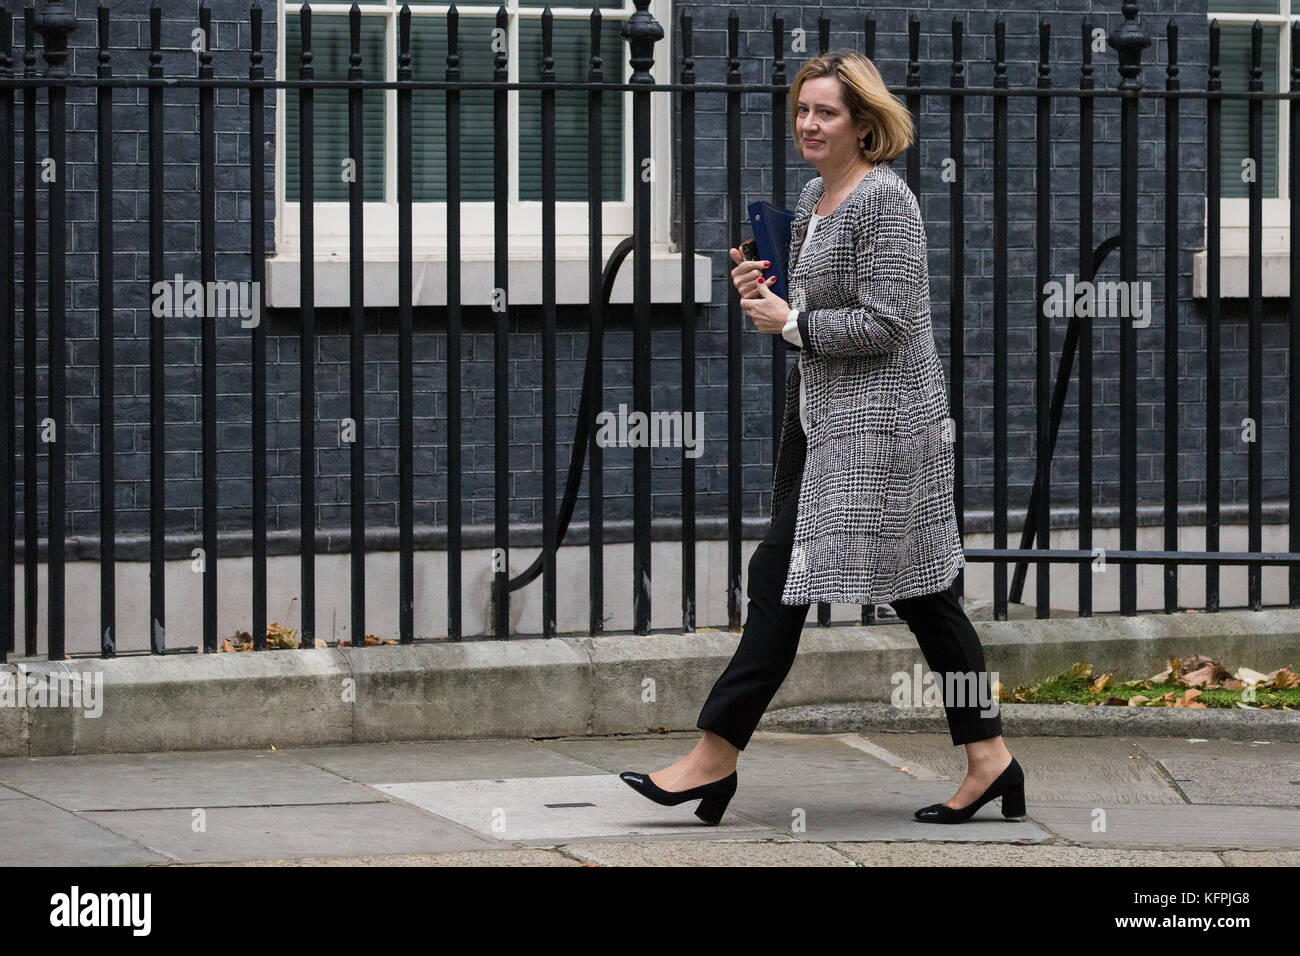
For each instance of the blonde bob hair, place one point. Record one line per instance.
(868, 100)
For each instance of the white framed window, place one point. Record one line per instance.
(1236, 19)
(477, 21)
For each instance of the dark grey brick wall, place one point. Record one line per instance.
(230, 44)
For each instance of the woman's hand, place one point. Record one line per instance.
(746, 275)
(767, 309)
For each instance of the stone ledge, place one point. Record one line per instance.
(535, 687)
(477, 272)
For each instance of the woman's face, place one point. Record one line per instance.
(828, 138)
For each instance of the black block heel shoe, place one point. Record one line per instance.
(1010, 786)
(715, 795)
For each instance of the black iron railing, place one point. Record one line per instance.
(56, 22)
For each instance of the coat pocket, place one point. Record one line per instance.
(920, 483)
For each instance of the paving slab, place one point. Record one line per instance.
(738, 853)
(557, 809)
(712, 853)
(769, 758)
(177, 780)
(1261, 857)
(1233, 772)
(1000, 854)
(913, 767)
(415, 761)
(13, 737)
(541, 856)
(815, 787)
(34, 833)
(1186, 827)
(748, 853)
(874, 809)
(244, 833)
(1103, 771)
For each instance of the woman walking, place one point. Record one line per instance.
(862, 503)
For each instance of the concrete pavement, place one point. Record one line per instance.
(822, 800)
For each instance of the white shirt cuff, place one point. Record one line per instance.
(791, 331)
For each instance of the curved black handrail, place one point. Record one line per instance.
(1063, 373)
(586, 413)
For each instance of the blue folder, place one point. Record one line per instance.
(771, 226)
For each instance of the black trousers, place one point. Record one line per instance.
(771, 637)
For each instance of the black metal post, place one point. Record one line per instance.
(548, 328)
(1000, 319)
(157, 357)
(1255, 355)
(257, 252)
(1043, 337)
(687, 136)
(1213, 439)
(1172, 169)
(208, 268)
(307, 331)
(8, 393)
(642, 32)
(357, 330)
(1293, 324)
(30, 529)
(107, 480)
(957, 280)
(405, 359)
(596, 327)
(1128, 42)
(1086, 82)
(735, 328)
(501, 358)
(453, 334)
(55, 25)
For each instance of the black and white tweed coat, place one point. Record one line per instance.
(876, 519)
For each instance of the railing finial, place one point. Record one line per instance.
(1129, 41)
(55, 23)
(642, 31)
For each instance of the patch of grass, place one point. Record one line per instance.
(1060, 690)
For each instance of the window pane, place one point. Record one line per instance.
(571, 48)
(1243, 6)
(429, 109)
(603, 4)
(1234, 62)
(331, 47)
(572, 55)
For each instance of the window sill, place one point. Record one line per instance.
(1234, 274)
(477, 272)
